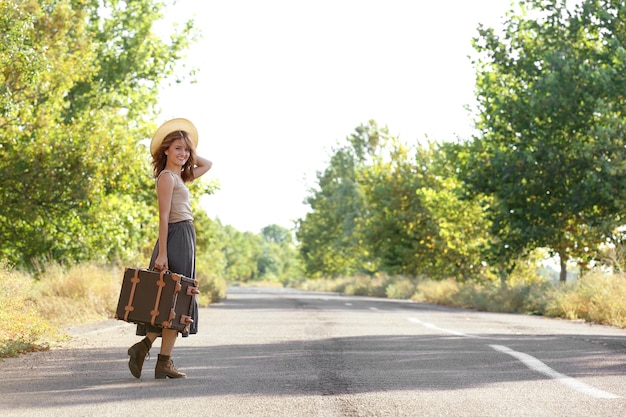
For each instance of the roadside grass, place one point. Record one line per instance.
(596, 298)
(77, 294)
(34, 307)
(23, 328)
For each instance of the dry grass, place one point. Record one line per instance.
(597, 298)
(34, 307)
(23, 328)
(78, 294)
(437, 292)
(212, 289)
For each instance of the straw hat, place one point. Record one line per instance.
(172, 126)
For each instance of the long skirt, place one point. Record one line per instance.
(181, 259)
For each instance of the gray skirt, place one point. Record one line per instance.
(181, 258)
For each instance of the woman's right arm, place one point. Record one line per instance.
(202, 166)
(165, 189)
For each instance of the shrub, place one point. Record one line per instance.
(33, 308)
(77, 294)
(379, 284)
(359, 285)
(436, 292)
(401, 289)
(212, 289)
(23, 328)
(596, 297)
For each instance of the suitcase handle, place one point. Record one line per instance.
(192, 290)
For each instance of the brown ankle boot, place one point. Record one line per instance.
(165, 369)
(137, 353)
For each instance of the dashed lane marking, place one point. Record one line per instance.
(532, 363)
(538, 366)
(441, 329)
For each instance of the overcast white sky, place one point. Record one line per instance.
(281, 81)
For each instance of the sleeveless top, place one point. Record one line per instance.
(180, 209)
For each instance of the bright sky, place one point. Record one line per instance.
(280, 82)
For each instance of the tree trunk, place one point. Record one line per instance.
(563, 273)
(503, 277)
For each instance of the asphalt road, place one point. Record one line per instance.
(286, 353)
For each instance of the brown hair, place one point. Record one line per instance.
(159, 160)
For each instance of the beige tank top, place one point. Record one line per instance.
(181, 207)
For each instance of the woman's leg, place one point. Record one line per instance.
(152, 336)
(165, 366)
(168, 339)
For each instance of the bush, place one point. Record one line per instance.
(436, 292)
(359, 285)
(212, 289)
(596, 297)
(34, 307)
(77, 294)
(379, 284)
(23, 328)
(403, 289)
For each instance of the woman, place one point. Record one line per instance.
(175, 162)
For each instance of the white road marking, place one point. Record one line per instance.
(538, 366)
(432, 326)
(532, 363)
(373, 309)
(348, 304)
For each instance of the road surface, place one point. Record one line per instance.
(280, 352)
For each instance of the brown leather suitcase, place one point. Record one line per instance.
(152, 297)
(185, 306)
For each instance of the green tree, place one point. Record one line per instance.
(279, 258)
(552, 96)
(242, 251)
(396, 230)
(384, 207)
(458, 226)
(417, 224)
(79, 81)
(329, 241)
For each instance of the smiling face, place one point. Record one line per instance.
(178, 153)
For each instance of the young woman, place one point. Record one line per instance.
(175, 162)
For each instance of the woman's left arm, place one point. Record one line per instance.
(202, 166)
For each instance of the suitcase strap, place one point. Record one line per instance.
(160, 283)
(129, 307)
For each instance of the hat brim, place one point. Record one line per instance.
(172, 126)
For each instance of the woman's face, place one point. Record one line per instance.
(178, 153)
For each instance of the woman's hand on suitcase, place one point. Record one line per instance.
(160, 264)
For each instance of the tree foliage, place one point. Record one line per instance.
(384, 207)
(279, 259)
(267, 256)
(78, 89)
(329, 242)
(552, 98)
(78, 97)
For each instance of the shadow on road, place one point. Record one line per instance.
(315, 366)
(322, 367)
